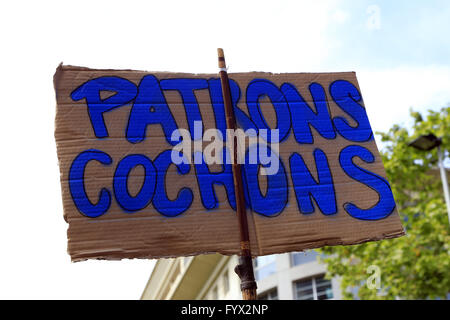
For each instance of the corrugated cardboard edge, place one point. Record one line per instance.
(307, 246)
(68, 67)
(56, 78)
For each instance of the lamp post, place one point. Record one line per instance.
(427, 143)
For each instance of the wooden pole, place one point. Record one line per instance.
(245, 267)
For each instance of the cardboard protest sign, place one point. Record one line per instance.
(130, 191)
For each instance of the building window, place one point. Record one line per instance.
(269, 295)
(317, 288)
(298, 258)
(226, 283)
(264, 266)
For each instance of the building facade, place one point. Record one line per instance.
(283, 276)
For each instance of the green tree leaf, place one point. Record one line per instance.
(416, 266)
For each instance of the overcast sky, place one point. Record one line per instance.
(399, 49)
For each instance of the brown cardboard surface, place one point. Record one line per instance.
(148, 234)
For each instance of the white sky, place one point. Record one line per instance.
(277, 36)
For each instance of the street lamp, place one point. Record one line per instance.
(427, 143)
